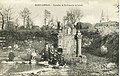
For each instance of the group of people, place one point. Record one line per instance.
(53, 56)
(30, 56)
(50, 54)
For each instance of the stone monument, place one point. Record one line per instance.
(79, 42)
(71, 47)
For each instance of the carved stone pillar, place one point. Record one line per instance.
(79, 43)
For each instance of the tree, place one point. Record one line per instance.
(73, 15)
(8, 18)
(6, 14)
(117, 6)
(16, 23)
(29, 23)
(47, 16)
(2, 18)
(25, 14)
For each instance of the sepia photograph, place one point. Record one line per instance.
(59, 37)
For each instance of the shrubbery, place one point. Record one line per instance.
(21, 35)
(111, 41)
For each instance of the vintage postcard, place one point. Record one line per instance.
(59, 38)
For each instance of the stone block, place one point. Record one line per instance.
(84, 59)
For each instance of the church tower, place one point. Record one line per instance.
(104, 18)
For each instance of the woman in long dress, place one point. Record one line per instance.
(11, 56)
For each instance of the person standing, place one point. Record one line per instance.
(47, 52)
(11, 56)
(34, 55)
(29, 56)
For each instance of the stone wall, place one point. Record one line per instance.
(67, 42)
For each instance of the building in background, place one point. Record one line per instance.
(104, 18)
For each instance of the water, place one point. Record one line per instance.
(17, 68)
(24, 67)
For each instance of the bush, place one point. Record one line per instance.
(111, 41)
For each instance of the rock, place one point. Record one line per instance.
(95, 74)
(55, 67)
(9, 47)
(15, 46)
(4, 48)
(84, 59)
(66, 66)
(111, 66)
(104, 49)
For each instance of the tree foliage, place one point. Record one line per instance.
(73, 15)
(111, 41)
(25, 15)
(6, 14)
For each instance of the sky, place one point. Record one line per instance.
(91, 9)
